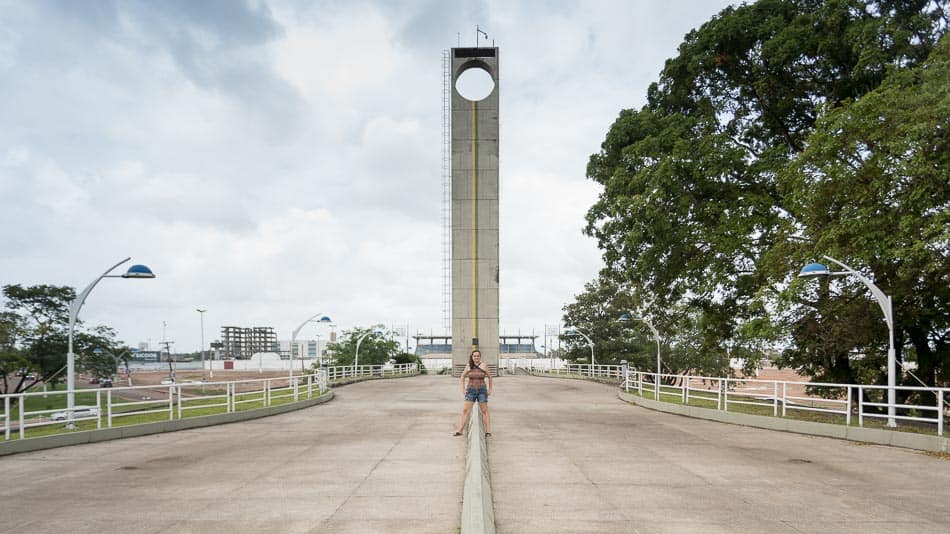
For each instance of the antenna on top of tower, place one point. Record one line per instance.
(479, 31)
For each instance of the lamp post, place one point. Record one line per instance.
(625, 317)
(202, 314)
(293, 338)
(135, 271)
(884, 301)
(378, 329)
(571, 331)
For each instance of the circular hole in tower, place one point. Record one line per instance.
(475, 84)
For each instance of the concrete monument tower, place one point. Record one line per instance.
(474, 213)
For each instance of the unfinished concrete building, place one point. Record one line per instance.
(240, 343)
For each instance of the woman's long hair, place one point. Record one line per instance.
(471, 359)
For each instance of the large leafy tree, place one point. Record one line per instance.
(701, 218)
(34, 338)
(874, 185)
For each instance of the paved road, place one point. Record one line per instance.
(378, 458)
(567, 456)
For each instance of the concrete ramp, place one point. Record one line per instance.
(378, 458)
(568, 456)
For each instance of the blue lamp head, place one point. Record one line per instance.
(624, 317)
(139, 271)
(325, 319)
(570, 332)
(814, 269)
(97, 350)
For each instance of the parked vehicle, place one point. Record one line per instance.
(105, 383)
(79, 412)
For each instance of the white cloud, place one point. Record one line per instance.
(280, 158)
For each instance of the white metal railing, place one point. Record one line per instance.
(350, 371)
(783, 398)
(602, 371)
(178, 399)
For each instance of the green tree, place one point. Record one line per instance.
(35, 338)
(699, 217)
(595, 312)
(375, 348)
(873, 186)
(106, 356)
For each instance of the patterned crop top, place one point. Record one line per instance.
(476, 377)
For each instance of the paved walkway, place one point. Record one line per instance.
(378, 458)
(567, 456)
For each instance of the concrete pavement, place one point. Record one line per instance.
(568, 456)
(378, 458)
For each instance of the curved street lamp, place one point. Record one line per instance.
(377, 330)
(135, 271)
(293, 339)
(884, 301)
(626, 317)
(571, 331)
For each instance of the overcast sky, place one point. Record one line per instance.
(273, 160)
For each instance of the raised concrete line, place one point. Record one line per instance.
(478, 514)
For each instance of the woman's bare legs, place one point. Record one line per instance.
(466, 411)
(483, 406)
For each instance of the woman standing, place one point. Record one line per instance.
(477, 374)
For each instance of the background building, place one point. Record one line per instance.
(240, 343)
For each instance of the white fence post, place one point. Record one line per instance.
(98, 409)
(109, 409)
(171, 403)
(179, 402)
(22, 420)
(784, 398)
(719, 394)
(939, 412)
(6, 418)
(775, 400)
(725, 394)
(847, 417)
(860, 407)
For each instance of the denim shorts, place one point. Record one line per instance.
(471, 394)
